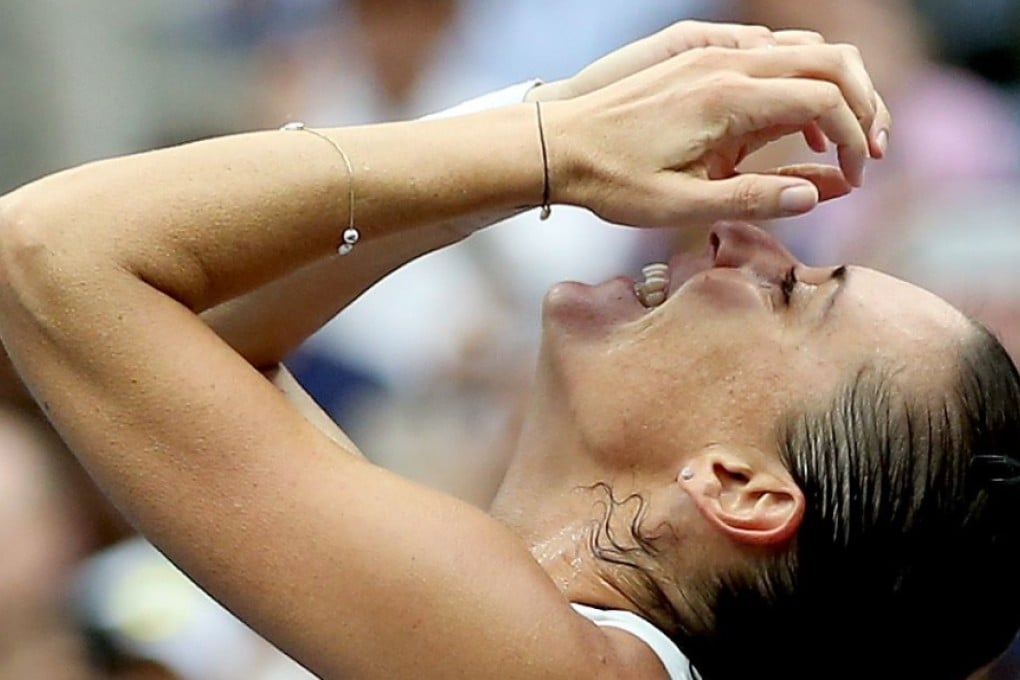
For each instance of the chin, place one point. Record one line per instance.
(590, 311)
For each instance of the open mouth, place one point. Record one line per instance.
(660, 280)
(654, 289)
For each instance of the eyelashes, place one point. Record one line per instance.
(788, 284)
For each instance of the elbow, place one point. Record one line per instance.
(23, 241)
(33, 267)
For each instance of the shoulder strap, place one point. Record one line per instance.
(677, 665)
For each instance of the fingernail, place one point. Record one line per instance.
(882, 140)
(798, 199)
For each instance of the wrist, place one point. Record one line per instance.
(568, 169)
(556, 90)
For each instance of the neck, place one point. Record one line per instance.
(554, 498)
(558, 495)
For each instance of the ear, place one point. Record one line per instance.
(750, 498)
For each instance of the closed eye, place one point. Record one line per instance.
(788, 284)
(839, 276)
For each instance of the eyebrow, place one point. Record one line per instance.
(839, 276)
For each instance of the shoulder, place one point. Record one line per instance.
(630, 656)
(631, 646)
(637, 643)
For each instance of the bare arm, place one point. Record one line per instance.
(202, 452)
(265, 325)
(352, 570)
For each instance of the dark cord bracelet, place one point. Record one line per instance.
(546, 207)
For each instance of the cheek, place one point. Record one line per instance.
(623, 404)
(636, 403)
(643, 393)
(725, 292)
(735, 394)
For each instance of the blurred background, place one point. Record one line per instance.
(429, 388)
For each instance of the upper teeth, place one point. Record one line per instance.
(652, 291)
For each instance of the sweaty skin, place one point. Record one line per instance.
(106, 271)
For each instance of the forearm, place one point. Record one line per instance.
(267, 324)
(207, 222)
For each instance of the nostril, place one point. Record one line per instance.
(713, 240)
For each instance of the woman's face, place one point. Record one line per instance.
(744, 337)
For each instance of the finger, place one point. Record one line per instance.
(662, 46)
(750, 197)
(879, 134)
(624, 62)
(855, 64)
(746, 36)
(815, 138)
(798, 37)
(838, 64)
(840, 125)
(687, 35)
(828, 179)
(764, 103)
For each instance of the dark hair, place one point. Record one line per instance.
(905, 564)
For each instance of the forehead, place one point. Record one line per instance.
(889, 318)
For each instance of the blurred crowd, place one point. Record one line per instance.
(427, 371)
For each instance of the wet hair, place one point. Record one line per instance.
(905, 564)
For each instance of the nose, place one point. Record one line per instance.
(740, 245)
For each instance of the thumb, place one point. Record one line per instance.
(755, 197)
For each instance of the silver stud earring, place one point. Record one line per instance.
(686, 473)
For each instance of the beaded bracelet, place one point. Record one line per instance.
(351, 235)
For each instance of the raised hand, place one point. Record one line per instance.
(660, 147)
(663, 45)
(688, 35)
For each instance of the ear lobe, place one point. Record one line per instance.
(751, 501)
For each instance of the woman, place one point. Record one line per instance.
(747, 457)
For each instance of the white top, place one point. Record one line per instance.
(514, 94)
(676, 664)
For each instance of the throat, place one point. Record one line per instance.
(563, 555)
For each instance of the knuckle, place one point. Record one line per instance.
(704, 60)
(681, 35)
(849, 57)
(829, 95)
(834, 60)
(758, 33)
(677, 32)
(710, 55)
(746, 198)
(674, 38)
(716, 95)
(725, 85)
(720, 57)
(797, 36)
(850, 51)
